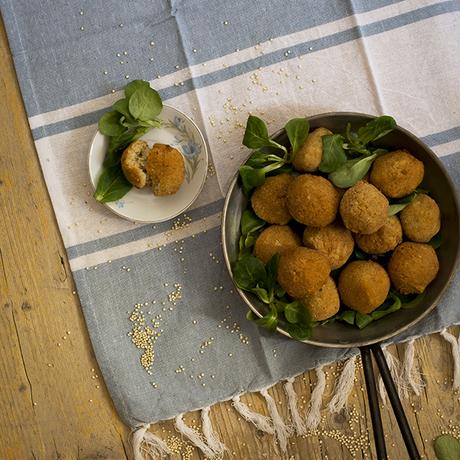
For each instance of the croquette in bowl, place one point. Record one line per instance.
(412, 267)
(275, 240)
(302, 271)
(397, 174)
(269, 200)
(421, 219)
(385, 239)
(363, 208)
(312, 200)
(334, 240)
(363, 285)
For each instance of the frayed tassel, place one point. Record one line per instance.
(394, 365)
(147, 445)
(196, 439)
(211, 438)
(455, 343)
(314, 408)
(297, 420)
(410, 375)
(261, 422)
(343, 387)
(282, 431)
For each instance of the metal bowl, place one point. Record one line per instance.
(436, 180)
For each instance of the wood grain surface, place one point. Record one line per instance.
(53, 402)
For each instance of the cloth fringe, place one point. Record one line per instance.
(196, 439)
(297, 420)
(211, 438)
(261, 422)
(282, 431)
(455, 344)
(314, 409)
(395, 370)
(147, 445)
(343, 387)
(410, 375)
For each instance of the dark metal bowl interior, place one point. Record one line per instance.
(439, 184)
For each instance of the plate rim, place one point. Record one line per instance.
(156, 221)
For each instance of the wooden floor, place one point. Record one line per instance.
(53, 402)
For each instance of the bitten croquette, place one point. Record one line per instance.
(133, 163)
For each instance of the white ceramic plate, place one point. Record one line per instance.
(141, 205)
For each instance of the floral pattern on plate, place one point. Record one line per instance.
(185, 142)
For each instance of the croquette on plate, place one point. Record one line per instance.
(133, 164)
(165, 165)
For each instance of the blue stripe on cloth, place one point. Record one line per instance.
(442, 137)
(139, 232)
(58, 64)
(208, 309)
(329, 41)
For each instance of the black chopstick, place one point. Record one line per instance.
(395, 402)
(374, 407)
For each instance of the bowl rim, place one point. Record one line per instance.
(355, 343)
(198, 192)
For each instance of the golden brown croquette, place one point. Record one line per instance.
(397, 174)
(165, 165)
(363, 285)
(302, 271)
(308, 157)
(385, 239)
(312, 200)
(334, 240)
(275, 240)
(269, 200)
(412, 267)
(364, 209)
(324, 303)
(421, 219)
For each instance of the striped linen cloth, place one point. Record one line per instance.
(217, 61)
